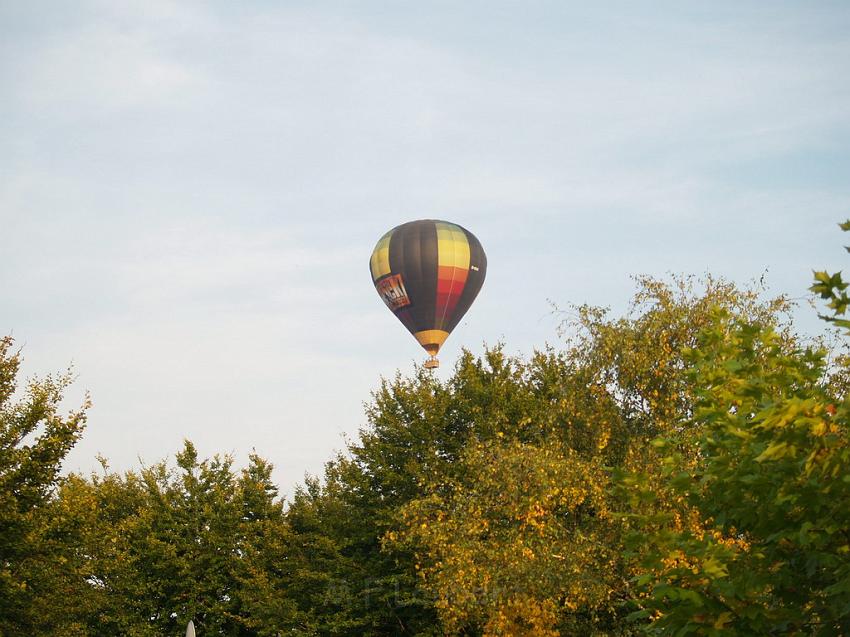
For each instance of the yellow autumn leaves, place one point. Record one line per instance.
(524, 527)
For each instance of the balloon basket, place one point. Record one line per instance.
(432, 363)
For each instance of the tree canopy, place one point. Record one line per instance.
(678, 470)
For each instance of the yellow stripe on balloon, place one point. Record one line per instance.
(452, 246)
(431, 340)
(380, 261)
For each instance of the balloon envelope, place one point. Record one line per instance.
(428, 273)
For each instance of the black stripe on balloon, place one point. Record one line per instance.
(429, 260)
(413, 254)
(403, 254)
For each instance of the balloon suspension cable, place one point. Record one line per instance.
(432, 363)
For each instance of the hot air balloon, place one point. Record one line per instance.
(428, 273)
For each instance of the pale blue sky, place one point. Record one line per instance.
(190, 191)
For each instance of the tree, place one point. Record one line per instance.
(679, 469)
(522, 534)
(833, 289)
(751, 535)
(35, 437)
(427, 468)
(758, 539)
(143, 552)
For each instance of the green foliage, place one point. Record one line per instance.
(756, 541)
(678, 470)
(506, 438)
(832, 288)
(748, 531)
(34, 440)
(142, 553)
(186, 547)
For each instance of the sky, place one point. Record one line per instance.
(190, 191)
